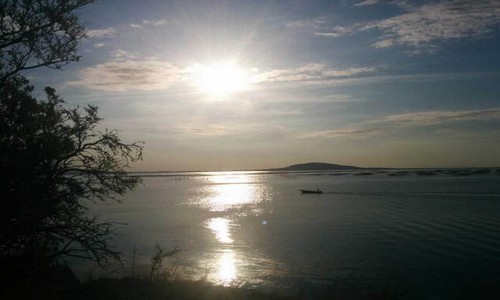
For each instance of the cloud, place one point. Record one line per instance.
(440, 117)
(335, 32)
(409, 120)
(205, 130)
(101, 33)
(366, 3)
(149, 23)
(320, 26)
(340, 99)
(349, 132)
(252, 131)
(310, 72)
(422, 27)
(384, 43)
(125, 72)
(304, 24)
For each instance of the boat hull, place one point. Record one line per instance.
(311, 192)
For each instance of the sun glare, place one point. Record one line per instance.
(221, 79)
(227, 267)
(220, 228)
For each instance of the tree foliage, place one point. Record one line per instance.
(35, 33)
(51, 158)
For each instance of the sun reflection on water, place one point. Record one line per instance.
(226, 272)
(228, 196)
(224, 196)
(226, 192)
(225, 263)
(220, 228)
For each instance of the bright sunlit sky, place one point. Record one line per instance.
(218, 85)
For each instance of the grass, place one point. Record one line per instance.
(140, 289)
(59, 282)
(133, 288)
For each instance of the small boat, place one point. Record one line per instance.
(318, 191)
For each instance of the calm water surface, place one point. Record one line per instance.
(399, 237)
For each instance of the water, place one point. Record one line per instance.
(395, 237)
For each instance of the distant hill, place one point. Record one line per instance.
(315, 166)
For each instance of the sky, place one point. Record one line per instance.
(231, 85)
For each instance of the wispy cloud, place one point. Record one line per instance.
(409, 120)
(384, 43)
(101, 33)
(366, 3)
(336, 31)
(310, 72)
(439, 117)
(349, 132)
(149, 23)
(422, 27)
(249, 131)
(204, 130)
(125, 72)
(306, 24)
(321, 26)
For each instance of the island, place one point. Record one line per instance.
(314, 166)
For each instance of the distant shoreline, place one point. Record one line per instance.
(314, 166)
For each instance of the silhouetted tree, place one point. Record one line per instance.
(53, 159)
(36, 33)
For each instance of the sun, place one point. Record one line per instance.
(220, 79)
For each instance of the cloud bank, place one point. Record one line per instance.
(410, 120)
(127, 73)
(440, 117)
(310, 72)
(422, 27)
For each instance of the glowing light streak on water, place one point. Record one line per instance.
(220, 228)
(227, 271)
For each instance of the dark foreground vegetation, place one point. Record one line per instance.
(61, 284)
(67, 287)
(132, 288)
